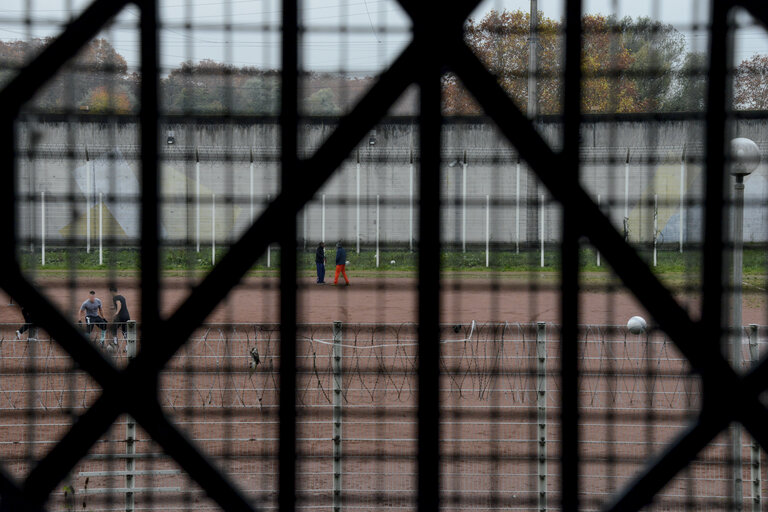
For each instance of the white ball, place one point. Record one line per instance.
(347, 262)
(636, 325)
(392, 262)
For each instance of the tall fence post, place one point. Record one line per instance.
(377, 231)
(322, 221)
(487, 230)
(756, 469)
(101, 228)
(87, 202)
(626, 198)
(655, 225)
(541, 228)
(130, 427)
(464, 206)
(597, 250)
(410, 204)
(682, 198)
(337, 415)
(541, 407)
(357, 205)
(517, 209)
(213, 229)
(197, 200)
(42, 227)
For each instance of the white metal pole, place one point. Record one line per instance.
(487, 230)
(87, 206)
(464, 207)
(197, 200)
(597, 250)
(655, 224)
(42, 227)
(410, 205)
(357, 207)
(626, 198)
(213, 229)
(541, 228)
(682, 199)
(250, 190)
(322, 216)
(377, 230)
(517, 210)
(101, 228)
(736, 343)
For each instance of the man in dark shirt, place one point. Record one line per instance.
(121, 315)
(320, 262)
(341, 264)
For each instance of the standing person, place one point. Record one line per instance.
(320, 262)
(27, 324)
(341, 263)
(121, 316)
(91, 312)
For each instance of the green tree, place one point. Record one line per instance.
(259, 95)
(689, 91)
(321, 103)
(657, 50)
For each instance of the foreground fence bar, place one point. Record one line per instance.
(337, 415)
(130, 430)
(755, 464)
(541, 408)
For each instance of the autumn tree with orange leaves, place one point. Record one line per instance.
(751, 87)
(626, 63)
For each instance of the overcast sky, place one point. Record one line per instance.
(357, 36)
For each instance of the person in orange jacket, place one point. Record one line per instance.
(341, 263)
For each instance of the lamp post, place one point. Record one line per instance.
(745, 157)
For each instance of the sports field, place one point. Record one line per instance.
(637, 393)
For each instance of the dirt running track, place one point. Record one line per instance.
(381, 300)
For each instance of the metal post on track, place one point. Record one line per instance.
(541, 407)
(130, 428)
(755, 465)
(337, 415)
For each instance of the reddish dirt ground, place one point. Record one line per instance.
(380, 300)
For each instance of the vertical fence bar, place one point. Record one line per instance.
(464, 207)
(42, 228)
(410, 204)
(597, 251)
(337, 415)
(197, 200)
(377, 231)
(322, 221)
(213, 229)
(101, 228)
(755, 465)
(655, 225)
(357, 207)
(517, 208)
(487, 230)
(250, 187)
(87, 202)
(626, 197)
(682, 198)
(541, 228)
(541, 407)
(130, 427)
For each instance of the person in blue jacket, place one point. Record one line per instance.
(341, 263)
(320, 262)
